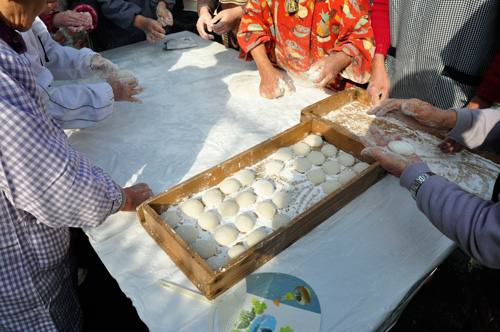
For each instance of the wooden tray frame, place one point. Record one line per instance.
(213, 283)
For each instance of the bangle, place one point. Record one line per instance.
(415, 186)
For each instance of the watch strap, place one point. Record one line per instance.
(415, 186)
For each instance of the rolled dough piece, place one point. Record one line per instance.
(360, 167)
(316, 157)
(283, 154)
(346, 176)
(228, 208)
(302, 165)
(282, 199)
(301, 149)
(345, 159)
(314, 140)
(331, 167)
(329, 150)
(187, 232)
(212, 197)
(245, 86)
(235, 251)
(192, 208)
(255, 237)
(171, 218)
(216, 262)
(204, 248)
(266, 210)
(208, 220)
(273, 167)
(245, 199)
(225, 235)
(401, 147)
(280, 220)
(244, 223)
(330, 186)
(125, 74)
(229, 186)
(245, 177)
(316, 176)
(263, 188)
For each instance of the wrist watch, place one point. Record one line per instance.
(415, 186)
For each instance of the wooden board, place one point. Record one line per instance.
(213, 283)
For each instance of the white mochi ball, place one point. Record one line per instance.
(266, 210)
(316, 157)
(192, 208)
(273, 167)
(280, 220)
(314, 140)
(245, 199)
(345, 159)
(216, 262)
(208, 220)
(245, 177)
(228, 208)
(225, 235)
(360, 167)
(283, 154)
(263, 188)
(401, 147)
(188, 233)
(204, 248)
(244, 223)
(346, 176)
(302, 165)
(235, 251)
(282, 199)
(329, 150)
(255, 237)
(316, 176)
(330, 186)
(171, 218)
(331, 167)
(212, 197)
(301, 149)
(229, 186)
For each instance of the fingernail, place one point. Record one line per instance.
(367, 152)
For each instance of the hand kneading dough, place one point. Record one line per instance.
(283, 154)
(255, 237)
(208, 220)
(245, 199)
(345, 159)
(316, 176)
(330, 186)
(228, 208)
(402, 148)
(235, 251)
(301, 149)
(316, 157)
(188, 233)
(302, 165)
(329, 150)
(216, 262)
(245, 177)
(204, 248)
(225, 235)
(263, 188)
(282, 199)
(266, 210)
(244, 223)
(212, 197)
(171, 218)
(273, 167)
(192, 208)
(314, 140)
(280, 220)
(331, 167)
(360, 167)
(229, 186)
(346, 176)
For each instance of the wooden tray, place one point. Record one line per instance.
(212, 283)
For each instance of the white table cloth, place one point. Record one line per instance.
(364, 262)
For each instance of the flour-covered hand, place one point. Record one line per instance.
(135, 195)
(325, 70)
(103, 68)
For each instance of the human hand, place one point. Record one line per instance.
(416, 113)
(225, 20)
(273, 84)
(393, 162)
(202, 25)
(72, 19)
(479, 102)
(378, 87)
(125, 88)
(325, 70)
(164, 15)
(103, 68)
(135, 195)
(153, 29)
